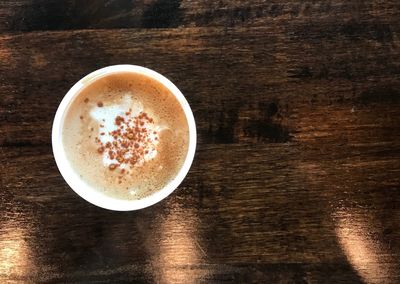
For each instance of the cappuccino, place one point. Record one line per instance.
(126, 135)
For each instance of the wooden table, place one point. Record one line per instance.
(297, 174)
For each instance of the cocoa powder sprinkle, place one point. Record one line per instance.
(100, 104)
(131, 140)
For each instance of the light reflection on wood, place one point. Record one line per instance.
(368, 256)
(357, 225)
(15, 254)
(180, 249)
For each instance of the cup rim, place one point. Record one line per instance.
(72, 178)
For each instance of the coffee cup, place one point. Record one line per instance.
(73, 175)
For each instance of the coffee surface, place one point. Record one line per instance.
(126, 135)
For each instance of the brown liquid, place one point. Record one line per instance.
(82, 130)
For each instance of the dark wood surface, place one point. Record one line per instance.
(297, 174)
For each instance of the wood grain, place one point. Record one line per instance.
(255, 86)
(30, 15)
(297, 174)
(270, 205)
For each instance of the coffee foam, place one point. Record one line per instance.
(121, 93)
(127, 110)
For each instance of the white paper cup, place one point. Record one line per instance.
(73, 179)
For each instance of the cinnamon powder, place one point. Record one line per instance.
(131, 141)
